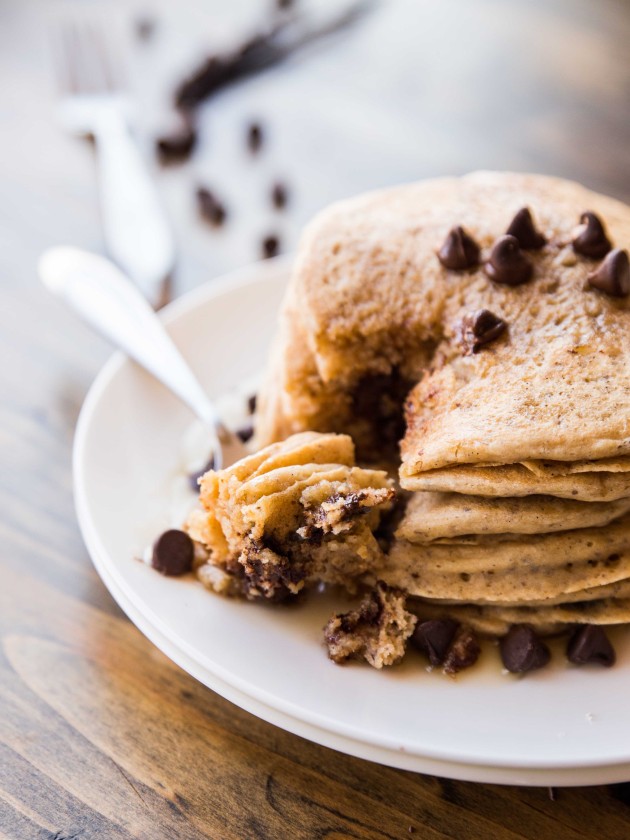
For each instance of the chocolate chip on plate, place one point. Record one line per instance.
(463, 652)
(480, 328)
(270, 246)
(590, 644)
(508, 265)
(613, 275)
(245, 433)
(254, 137)
(522, 650)
(434, 637)
(173, 553)
(523, 228)
(279, 195)
(459, 250)
(592, 241)
(210, 208)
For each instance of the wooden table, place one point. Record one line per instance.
(101, 736)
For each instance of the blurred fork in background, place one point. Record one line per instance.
(137, 235)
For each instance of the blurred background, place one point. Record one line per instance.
(397, 90)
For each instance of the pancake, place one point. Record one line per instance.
(517, 480)
(432, 517)
(617, 589)
(372, 317)
(496, 621)
(555, 468)
(543, 566)
(494, 372)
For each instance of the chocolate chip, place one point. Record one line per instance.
(245, 434)
(592, 241)
(508, 265)
(463, 652)
(177, 145)
(270, 246)
(523, 228)
(590, 644)
(279, 196)
(613, 275)
(522, 650)
(254, 137)
(459, 250)
(480, 328)
(210, 208)
(251, 403)
(434, 637)
(193, 478)
(173, 553)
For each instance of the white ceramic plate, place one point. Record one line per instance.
(560, 726)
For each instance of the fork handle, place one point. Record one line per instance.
(137, 235)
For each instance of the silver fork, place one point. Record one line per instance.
(105, 299)
(137, 235)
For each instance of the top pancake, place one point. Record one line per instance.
(369, 298)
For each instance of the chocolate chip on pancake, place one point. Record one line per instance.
(523, 228)
(434, 638)
(592, 241)
(522, 650)
(459, 250)
(173, 553)
(613, 275)
(508, 265)
(590, 644)
(480, 328)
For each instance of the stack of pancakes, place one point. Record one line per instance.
(515, 442)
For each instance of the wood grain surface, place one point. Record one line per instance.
(101, 736)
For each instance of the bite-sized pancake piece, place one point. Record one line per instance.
(293, 514)
(377, 630)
